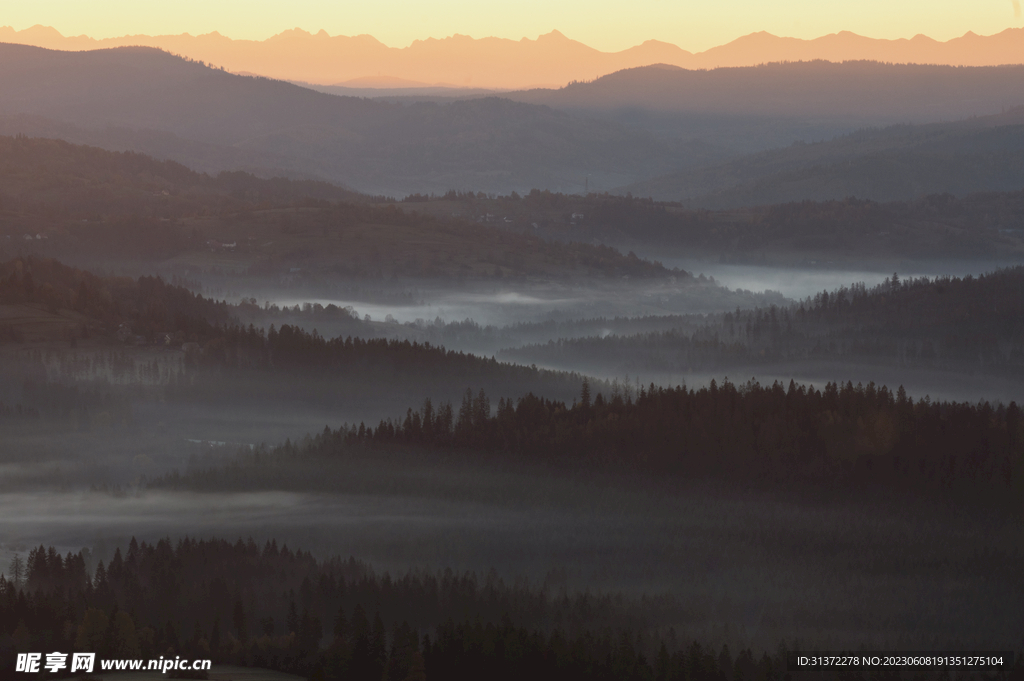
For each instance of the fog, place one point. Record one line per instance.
(730, 286)
(505, 304)
(495, 309)
(798, 283)
(765, 566)
(130, 407)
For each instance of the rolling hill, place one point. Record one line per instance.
(896, 163)
(378, 147)
(85, 206)
(859, 90)
(659, 131)
(742, 110)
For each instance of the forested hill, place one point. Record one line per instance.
(214, 358)
(835, 435)
(973, 324)
(946, 321)
(866, 91)
(75, 180)
(322, 368)
(93, 207)
(190, 111)
(42, 297)
(941, 226)
(894, 163)
(989, 304)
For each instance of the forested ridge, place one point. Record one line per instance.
(161, 337)
(59, 179)
(841, 434)
(90, 205)
(147, 305)
(134, 206)
(972, 323)
(983, 225)
(150, 306)
(324, 368)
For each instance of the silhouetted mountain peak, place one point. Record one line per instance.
(551, 58)
(291, 34)
(40, 31)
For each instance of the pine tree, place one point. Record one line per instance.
(17, 570)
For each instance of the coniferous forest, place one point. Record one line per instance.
(333, 618)
(252, 415)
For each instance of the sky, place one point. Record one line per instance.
(607, 25)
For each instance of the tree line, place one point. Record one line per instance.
(337, 619)
(270, 606)
(974, 323)
(838, 435)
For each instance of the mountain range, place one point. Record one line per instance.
(654, 131)
(552, 60)
(853, 90)
(751, 109)
(151, 101)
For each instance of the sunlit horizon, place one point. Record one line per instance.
(601, 25)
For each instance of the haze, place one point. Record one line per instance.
(666, 338)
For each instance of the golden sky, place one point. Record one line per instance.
(694, 25)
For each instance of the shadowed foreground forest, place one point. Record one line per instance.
(283, 609)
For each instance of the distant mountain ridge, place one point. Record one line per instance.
(552, 60)
(865, 90)
(144, 99)
(897, 163)
(594, 136)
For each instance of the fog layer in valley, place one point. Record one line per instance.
(508, 304)
(764, 566)
(524, 314)
(465, 381)
(797, 283)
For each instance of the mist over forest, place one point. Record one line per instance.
(609, 381)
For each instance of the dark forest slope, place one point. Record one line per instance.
(333, 618)
(838, 435)
(190, 350)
